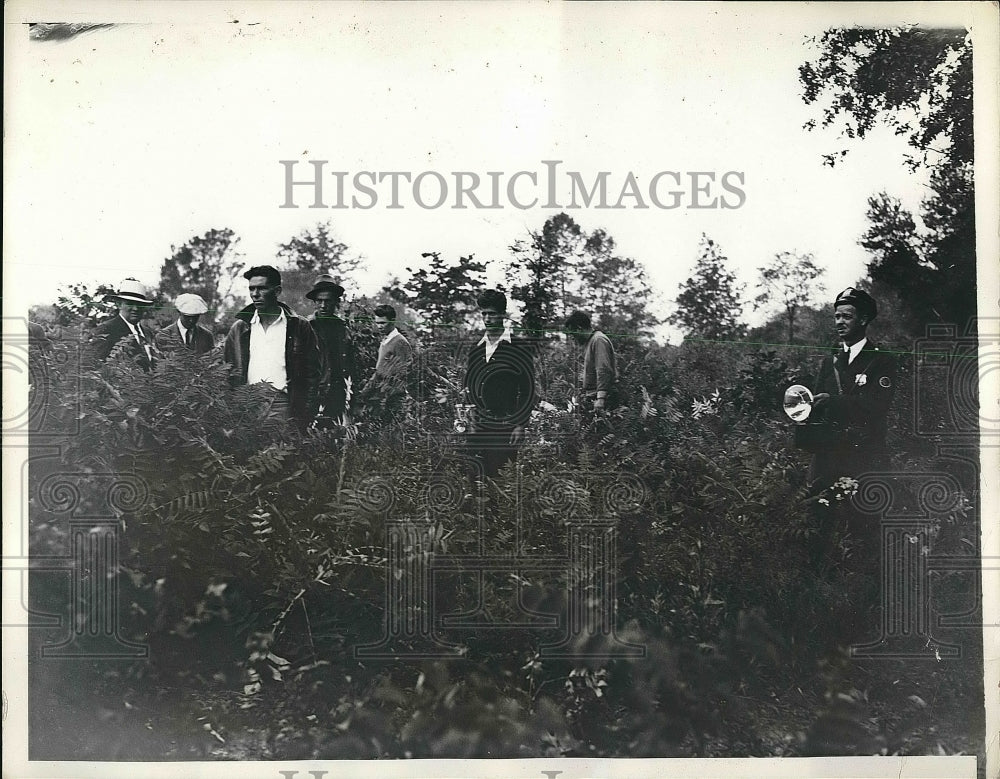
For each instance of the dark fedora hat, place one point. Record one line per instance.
(325, 282)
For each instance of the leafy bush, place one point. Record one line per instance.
(260, 559)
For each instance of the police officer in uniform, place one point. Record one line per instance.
(847, 426)
(853, 393)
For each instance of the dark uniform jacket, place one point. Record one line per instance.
(503, 389)
(302, 360)
(855, 416)
(108, 334)
(169, 339)
(336, 362)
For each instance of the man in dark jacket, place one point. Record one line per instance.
(336, 351)
(854, 390)
(847, 425)
(270, 343)
(126, 327)
(500, 383)
(186, 333)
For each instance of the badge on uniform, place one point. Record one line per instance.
(885, 382)
(861, 379)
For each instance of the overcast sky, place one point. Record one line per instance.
(123, 141)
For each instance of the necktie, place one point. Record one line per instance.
(140, 335)
(189, 339)
(840, 362)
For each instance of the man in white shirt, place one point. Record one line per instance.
(270, 344)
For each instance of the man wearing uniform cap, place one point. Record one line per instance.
(335, 346)
(186, 333)
(133, 302)
(854, 391)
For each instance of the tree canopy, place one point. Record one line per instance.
(204, 265)
(710, 303)
(442, 292)
(789, 282)
(918, 82)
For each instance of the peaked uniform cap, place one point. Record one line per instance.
(861, 300)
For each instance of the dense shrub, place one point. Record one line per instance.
(259, 559)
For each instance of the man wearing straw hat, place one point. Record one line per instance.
(133, 302)
(186, 333)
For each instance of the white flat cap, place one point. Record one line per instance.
(189, 304)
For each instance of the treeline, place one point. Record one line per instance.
(549, 272)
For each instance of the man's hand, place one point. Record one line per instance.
(517, 435)
(820, 400)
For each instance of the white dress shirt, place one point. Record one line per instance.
(385, 341)
(183, 331)
(491, 346)
(140, 337)
(267, 352)
(854, 349)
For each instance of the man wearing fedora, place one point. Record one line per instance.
(133, 302)
(335, 346)
(847, 426)
(271, 344)
(186, 333)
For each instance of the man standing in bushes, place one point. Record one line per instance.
(500, 383)
(853, 393)
(133, 303)
(331, 331)
(270, 344)
(186, 333)
(599, 377)
(394, 351)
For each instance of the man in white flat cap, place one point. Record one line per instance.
(133, 303)
(186, 333)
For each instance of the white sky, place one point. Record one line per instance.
(124, 141)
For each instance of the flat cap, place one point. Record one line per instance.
(189, 304)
